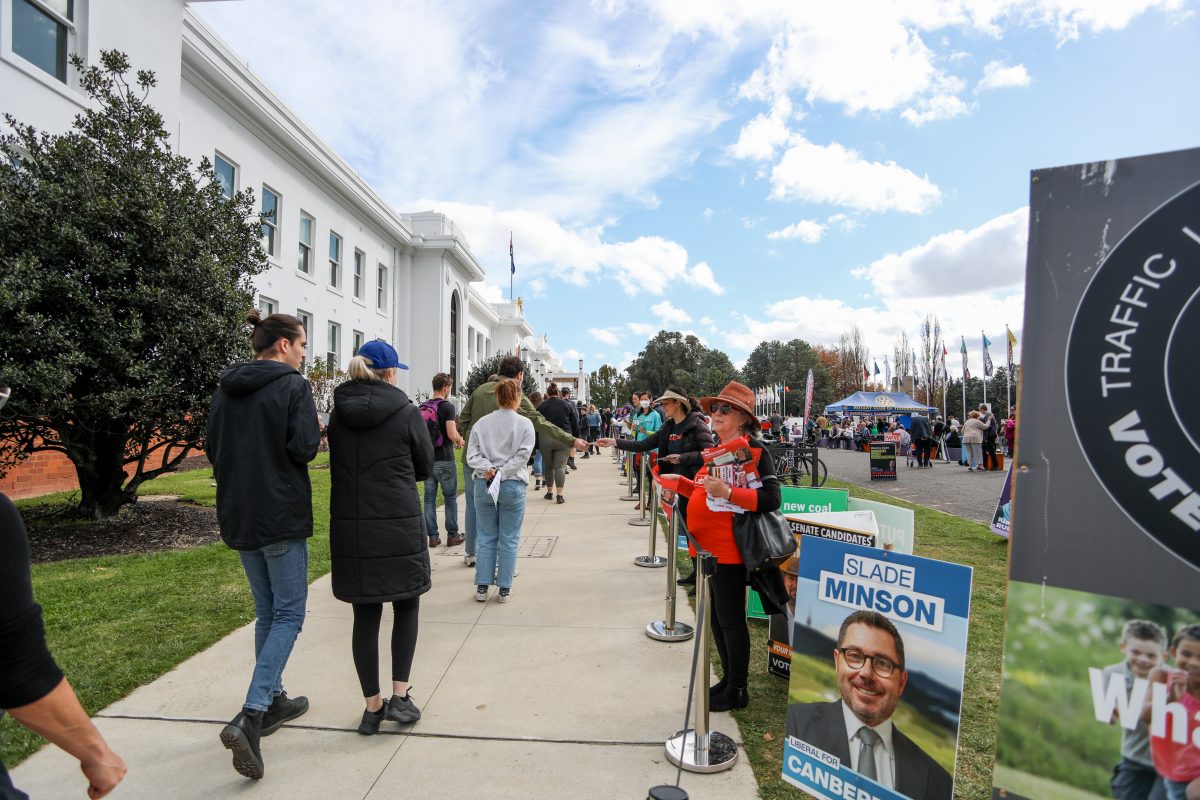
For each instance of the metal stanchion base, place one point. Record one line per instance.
(659, 630)
(650, 561)
(633, 498)
(638, 522)
(722, 752)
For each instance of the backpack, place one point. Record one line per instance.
(429, 413)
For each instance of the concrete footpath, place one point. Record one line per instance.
(558, 692)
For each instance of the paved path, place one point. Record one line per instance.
(557, 693)
(946, 487)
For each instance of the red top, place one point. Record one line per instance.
(1179, 761)
(713, 530)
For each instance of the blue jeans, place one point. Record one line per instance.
(499, 531)
(445, 474)
(537, 461)
(278, 575)
(469, 514)
(1176, 790)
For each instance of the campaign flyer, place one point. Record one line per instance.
(1002, 517)
(733, 463)
(879, 647)
(883, 461)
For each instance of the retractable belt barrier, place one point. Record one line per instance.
(667, 629)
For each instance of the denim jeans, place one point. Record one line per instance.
(469, 515)
(537, 461)
(278, 575)
(445, 474)
(499, 531)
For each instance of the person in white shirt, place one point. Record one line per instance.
(858, 729)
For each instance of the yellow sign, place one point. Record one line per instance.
(885, 401)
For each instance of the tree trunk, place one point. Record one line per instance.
(101, 474)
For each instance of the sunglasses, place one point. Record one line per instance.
(719, 408)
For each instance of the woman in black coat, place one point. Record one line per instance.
(379, 450)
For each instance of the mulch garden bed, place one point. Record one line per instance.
(144, 527)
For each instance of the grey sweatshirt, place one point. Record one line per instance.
(504, 440)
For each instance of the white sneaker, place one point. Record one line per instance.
(481, 594)
(469, 560)
(504, 596)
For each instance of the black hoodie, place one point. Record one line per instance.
(262, 432)
(379, 447)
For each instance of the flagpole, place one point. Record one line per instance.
(1008, 372)
(985, 375)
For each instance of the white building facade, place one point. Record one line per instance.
(341, 259)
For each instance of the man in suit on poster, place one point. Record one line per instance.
(858, 729)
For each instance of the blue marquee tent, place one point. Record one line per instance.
(878, 403)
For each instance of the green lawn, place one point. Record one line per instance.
(118, 622)
(940, 536)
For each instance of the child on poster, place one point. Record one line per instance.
(1177, 758)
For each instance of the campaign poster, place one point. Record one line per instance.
(1098, 662)
(883, 461)
(1106, 489)
(879, 646)
(1002, 517)
(806, 500)
(856, 527)
(897, 526)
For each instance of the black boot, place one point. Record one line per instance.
(733, 697)
(687, 580)
(241, 736)
(283, 709)
(717, 688)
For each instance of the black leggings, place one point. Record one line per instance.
(730, 631)
(365, 641)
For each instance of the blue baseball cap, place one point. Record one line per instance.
(381, 355)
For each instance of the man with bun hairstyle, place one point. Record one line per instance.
(262, 432)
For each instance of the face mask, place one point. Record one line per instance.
(645, 404)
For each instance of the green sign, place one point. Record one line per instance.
(896, 524)
(804, 500)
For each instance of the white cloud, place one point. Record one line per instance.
(763, 135)
(489, 292)
(537, 287)
(834, 174)
(669, 314)
(987, 258)
(943, 103)
(998, 76)
(843, 221)
(708, 213)
(604, 336)
(1067, 17)
(701, 276)
(569, 356)
(642, 328)
(808, 231)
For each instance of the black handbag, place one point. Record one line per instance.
(764, 540)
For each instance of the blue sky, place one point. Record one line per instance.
(744, 171)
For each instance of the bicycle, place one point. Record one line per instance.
(798, 470)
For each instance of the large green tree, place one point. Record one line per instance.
(608, 387)
(788, 363)
(124, 281)
(672, 359)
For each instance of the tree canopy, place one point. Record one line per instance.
(672, 359)
(608, 387)
(774, 362)
(124, 282)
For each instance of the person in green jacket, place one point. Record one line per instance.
(483, 402)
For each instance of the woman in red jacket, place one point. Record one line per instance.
(732, 416)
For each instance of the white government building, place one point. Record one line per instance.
(341, 259)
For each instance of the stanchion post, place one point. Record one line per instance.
(643, 496)
(650, 559)
(697, 749)
(667, 629)
(630, 494)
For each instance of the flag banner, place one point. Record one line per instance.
(876, 367)
(1102, 638)
(511, 261)
(987, 359)
(1011, 341)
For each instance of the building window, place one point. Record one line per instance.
(270, 220)
(267, 306)
(226, 175)
(358, 342)
(306, 323)
(381, 289)
(304, 261)
(453, 341)
(335, 335)
(470, 343)
(335, 260)
(360, 273)
(41, 33)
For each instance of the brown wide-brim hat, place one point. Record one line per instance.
(669, 395)
(737, 395)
